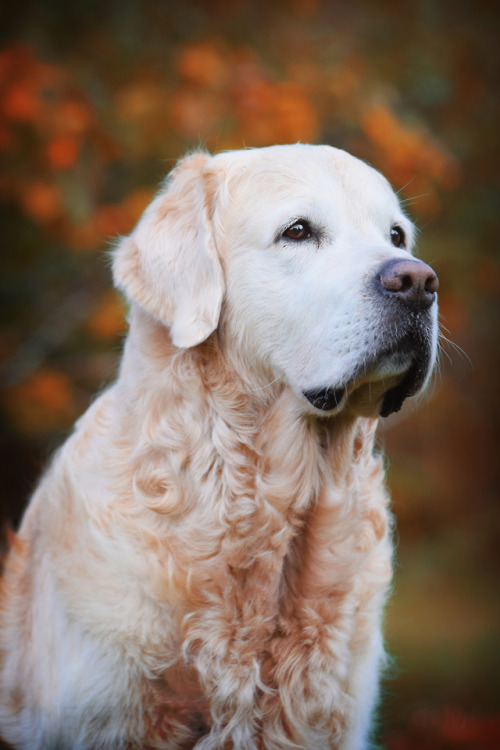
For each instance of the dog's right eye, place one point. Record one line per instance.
(398, 237)
(300, 230)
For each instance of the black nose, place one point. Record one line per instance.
(414, 283)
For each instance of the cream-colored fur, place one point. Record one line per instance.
(206, 560)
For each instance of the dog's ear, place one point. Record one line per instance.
(169, 264)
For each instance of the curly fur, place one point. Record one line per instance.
(205, 562)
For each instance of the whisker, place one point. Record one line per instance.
(405, 186)
(456, 348)
(444, 340)
(442, 350)
(414, 198)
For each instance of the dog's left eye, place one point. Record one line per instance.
(300, 230)
(398, 237)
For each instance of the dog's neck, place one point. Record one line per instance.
(242, 404)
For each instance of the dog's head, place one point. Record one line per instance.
(307, 252)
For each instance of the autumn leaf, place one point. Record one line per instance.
(45, 401)
(107, 320)
(202, 64)
(62, 152)
(42, 201)
(21, 102)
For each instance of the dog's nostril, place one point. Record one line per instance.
(406, 283)
(432, 283)
(414, 283)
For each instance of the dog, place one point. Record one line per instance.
(206, 560)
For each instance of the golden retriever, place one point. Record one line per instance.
(206, 560)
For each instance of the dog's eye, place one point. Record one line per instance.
(398, 237)
(300, 230)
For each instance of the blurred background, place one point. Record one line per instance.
(98, 100)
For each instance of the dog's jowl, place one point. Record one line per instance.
(205, 562)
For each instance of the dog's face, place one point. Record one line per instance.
(318, 281)
(308, 232)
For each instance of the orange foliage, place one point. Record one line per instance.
(407, 151)
(203, 65)
(193, 114)
(457, 726)
(141, 100)
(107, 320)
(447, 727)
(45, 401)
(23, 81)
(487, 275)
(73, 116)
(62, 151)
(42, 201)
(5, 138)
(275, 112)
(224, 97)
(346, 80)
(452, 311)
(21, 101)
(43, 100)
(228, 98)
(305, 7)
(135, 203)
(108, 221)
(82, 236)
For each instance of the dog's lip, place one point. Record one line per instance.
(391, 376)
(400, 386)
(326, 398)
(410, 385)
(333, 399)
(394, 397)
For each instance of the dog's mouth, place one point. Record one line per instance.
(389, 401)
(326, 399)
(374, 390)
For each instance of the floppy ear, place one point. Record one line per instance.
(169, 264)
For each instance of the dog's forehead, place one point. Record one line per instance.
(281, 173)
